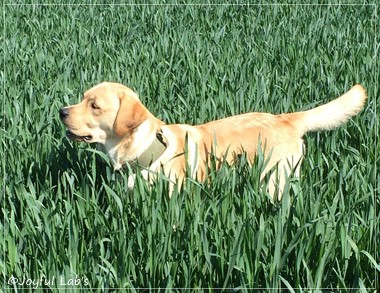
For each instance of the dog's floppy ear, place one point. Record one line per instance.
(131, 114)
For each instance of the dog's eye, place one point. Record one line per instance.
(94, 106)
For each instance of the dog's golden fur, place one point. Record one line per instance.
(112, 115)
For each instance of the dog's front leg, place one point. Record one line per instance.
(145, 175)
(131, 181)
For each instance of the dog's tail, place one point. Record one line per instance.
(332, 114)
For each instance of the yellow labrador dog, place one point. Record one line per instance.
(112, 115)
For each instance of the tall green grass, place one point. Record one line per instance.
(67, 215)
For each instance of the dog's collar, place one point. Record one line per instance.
(152, 153)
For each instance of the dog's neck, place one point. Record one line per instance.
(152, 153)
(128, 149)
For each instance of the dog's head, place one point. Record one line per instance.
(108, 110)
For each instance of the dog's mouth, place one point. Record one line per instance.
(73, 136)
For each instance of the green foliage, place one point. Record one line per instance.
(68, 215)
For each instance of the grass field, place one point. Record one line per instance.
(68, 222)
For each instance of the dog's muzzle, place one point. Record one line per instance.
(64, 114)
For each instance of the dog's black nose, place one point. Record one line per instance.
(63, 113)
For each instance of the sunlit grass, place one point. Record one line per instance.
(67, 214)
